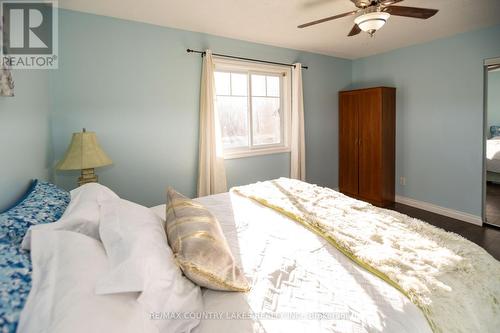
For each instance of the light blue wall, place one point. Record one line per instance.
(135, 85)
(439, 115)
(493, 99)
(25, 146)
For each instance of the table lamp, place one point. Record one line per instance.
(85, 154)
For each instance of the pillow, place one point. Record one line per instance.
(200, 248)
(66, 267)
(82, 213)
(92, 193)
(141, 261)
(42, 203)
(495, 131)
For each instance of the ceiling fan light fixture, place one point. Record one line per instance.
(371, 22)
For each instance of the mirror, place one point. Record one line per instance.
(492, 161)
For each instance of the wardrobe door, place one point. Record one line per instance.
(348, 143)
(388, 144)
(370, 145)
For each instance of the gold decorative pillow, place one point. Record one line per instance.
(201, 250)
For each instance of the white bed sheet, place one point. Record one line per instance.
(493, 154)
(293, 271)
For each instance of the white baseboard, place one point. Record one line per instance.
(466, 217)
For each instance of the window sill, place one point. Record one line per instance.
(255, 152)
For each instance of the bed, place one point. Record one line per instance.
(296, 272)
(42, 203)
(299, 281)
(493, 159)
(493, 155)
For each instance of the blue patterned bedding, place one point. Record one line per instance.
(43, 203)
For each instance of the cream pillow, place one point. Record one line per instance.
(140, 260)
(81, 215)
(66, 267)
(200, 248)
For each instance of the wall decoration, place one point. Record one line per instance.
(6, 82)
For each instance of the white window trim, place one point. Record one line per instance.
(227, 65)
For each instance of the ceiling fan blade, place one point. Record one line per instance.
(326, 19)
(420, 13)
(354, 31)
(493, 67)
(390, 2)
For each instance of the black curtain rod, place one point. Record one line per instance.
(246, 59)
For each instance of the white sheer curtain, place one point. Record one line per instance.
(298, 155)
(211, 170)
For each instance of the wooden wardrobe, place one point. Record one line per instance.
(367, 131)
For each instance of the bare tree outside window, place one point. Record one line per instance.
(250, 107)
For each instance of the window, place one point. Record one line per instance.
(253, 104)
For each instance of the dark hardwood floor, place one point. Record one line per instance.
(486, 237)
(493, 203)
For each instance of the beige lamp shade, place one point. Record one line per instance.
(84, 152)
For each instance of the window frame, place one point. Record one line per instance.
(249, 68)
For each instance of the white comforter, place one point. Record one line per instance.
(493, 154)
(297, 273)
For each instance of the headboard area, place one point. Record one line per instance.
(17, 193)
(24, 135)
(494, 131)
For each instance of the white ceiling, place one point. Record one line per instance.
(274, 22)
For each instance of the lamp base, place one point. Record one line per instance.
(88, 176)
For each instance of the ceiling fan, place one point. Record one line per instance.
(375, 13)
